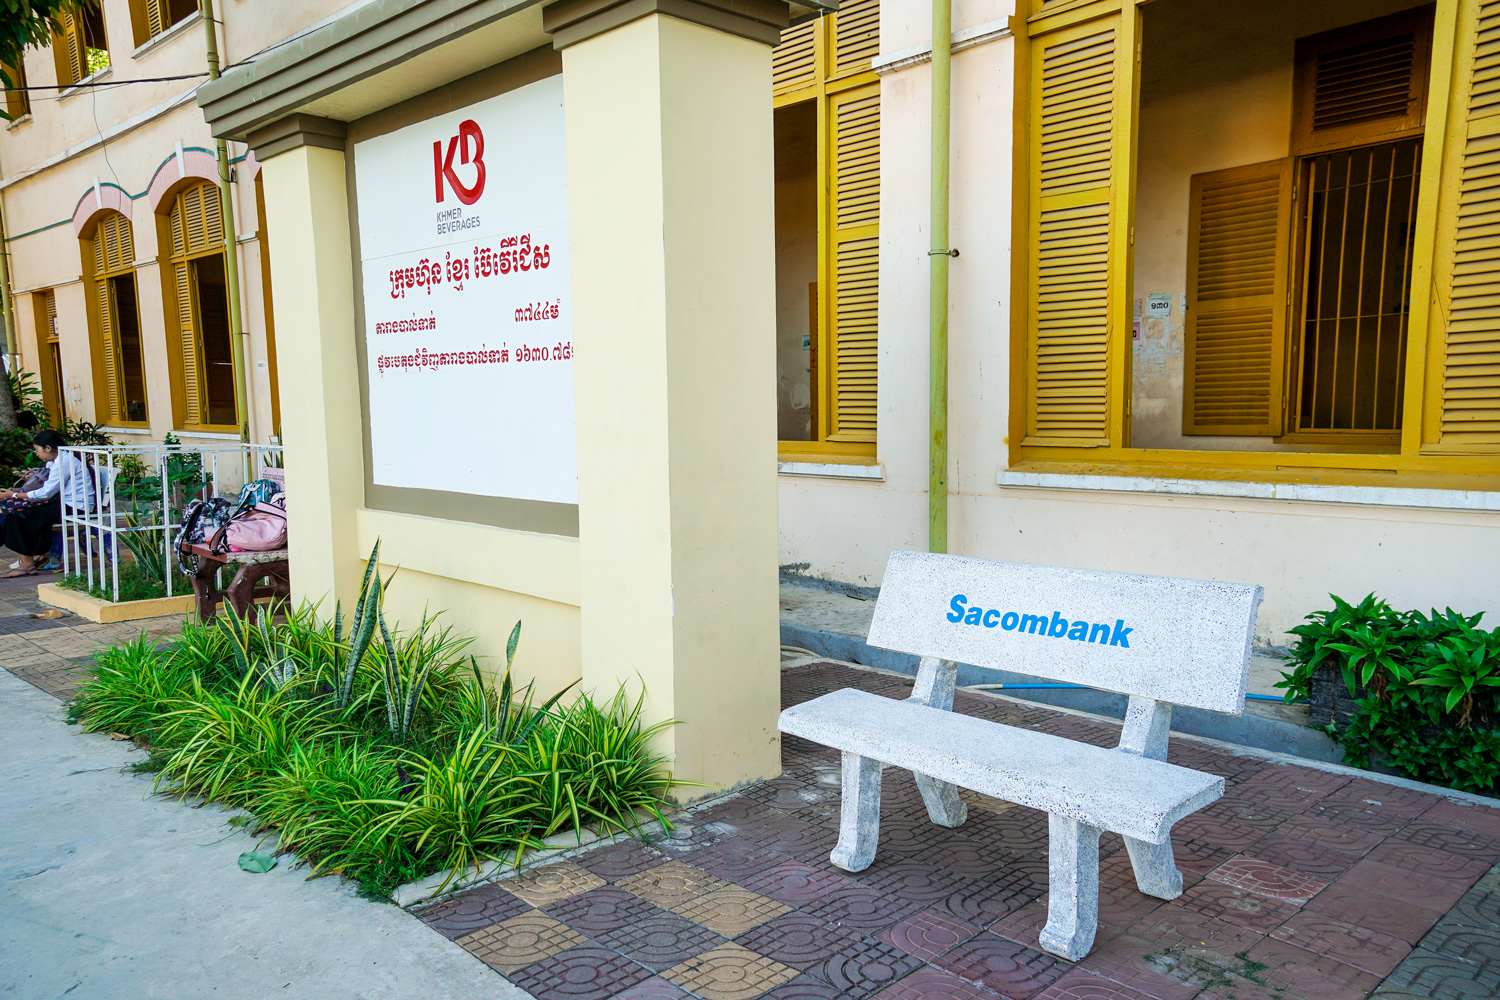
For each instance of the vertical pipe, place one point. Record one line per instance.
(231, 248)
(937, 459)
(7, 303)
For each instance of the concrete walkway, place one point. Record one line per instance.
(107, 892)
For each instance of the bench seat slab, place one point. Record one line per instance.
(1134, 796)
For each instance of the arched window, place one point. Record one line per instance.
(119, 368)
(202, 345)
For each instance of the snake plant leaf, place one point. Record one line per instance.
(257, 862)
(511, 644)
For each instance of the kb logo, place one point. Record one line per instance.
(442, 166)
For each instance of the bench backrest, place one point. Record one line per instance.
(1182, 641)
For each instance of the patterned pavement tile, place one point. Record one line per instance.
(928, 934)
(797, 940)
(1257, 815)
(1305, 856)
(472, 910)
(1222, 833)
(585, 973)
(620, 859)
(911, 836)
(988, 803)
(1478, 946)
(1388, 798)
(964, 857)
(551, 883)
(1159, 972)
(655, 988)
(1019, 830)
(1350, 840)
(1441, 977)
(1429, 861)
(1237, 906)
(1398, 884)
(1296, 787)
(1196, 856)
(911, 880)
(862, 909)
(803, 988)
(1172, 926)
(865, 967)
(996, 963)
(1262, 877)
(1483, 820)
(660, 942)
(796, 883)
(734, 859)
(524, 940)
(600, 910)
(1122, 905)
(1366, 909)
(1023, 925)
(1362, 815)
(1371, 951)
(796, 837)
(730, 911)
(1079, 984)
(1302, 973)
(729, 972)
(928, 983)
(983, 901)
(671, 884)
(1451, 839)
(1480, 906)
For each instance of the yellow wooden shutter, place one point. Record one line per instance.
(156, 19)
(854, 202)
(187, 328)
(71, 65)
(1238, 242)
(112, 407)
(1079, 210)
(856, 36)
(792, 61)
(1464, 365)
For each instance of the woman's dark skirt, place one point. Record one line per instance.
(28, 531)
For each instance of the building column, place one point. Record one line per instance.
(307, 213)
(671, 220)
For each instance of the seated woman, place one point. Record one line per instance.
(28, 531)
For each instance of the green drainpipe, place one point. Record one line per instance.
(938, 257)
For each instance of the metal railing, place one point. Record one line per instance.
(138, 493)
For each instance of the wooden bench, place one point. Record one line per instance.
(246, 587)
(1161, 641)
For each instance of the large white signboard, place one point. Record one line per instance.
(463, 237)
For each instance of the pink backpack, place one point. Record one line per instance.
(262, 528)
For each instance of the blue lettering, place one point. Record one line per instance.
(957, 604)
(1079, 631)
(1099, 634)
(1035, 624)
(1059, 626)
(987, 622)
(972, 618)
(1121, 633)
(1010, 621)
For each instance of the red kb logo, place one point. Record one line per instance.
(442, 166)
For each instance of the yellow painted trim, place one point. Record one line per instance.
(826, 451)
(1020, 229)
(1208, 464)
(1384, 478)
(105, 612)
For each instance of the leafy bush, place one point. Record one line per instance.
(380, 760)
(1425, 687)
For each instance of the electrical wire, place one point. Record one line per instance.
(107, 83)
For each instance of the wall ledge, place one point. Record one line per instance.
(831, 470)
(1368, 496)
(916, 55)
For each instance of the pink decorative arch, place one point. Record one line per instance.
(250, 166)
(96, 202)
(194, 164)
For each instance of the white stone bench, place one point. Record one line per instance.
(1159, 640)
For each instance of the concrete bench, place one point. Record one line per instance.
(1160, 641)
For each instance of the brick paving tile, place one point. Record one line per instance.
(1004, 966)
(1475, 819)
(1429, 861)
(987, 803)
(599, 910)
(910, 836)
(551, 883)
(671, 883)
(1479, 946)
(660, 942)
(1020, 830)
(1454, 840)
(620, 859)
(928, 983)
(1480, 906)
(1365, 949)
(802, 988)
(984, 901)
(965, 857)
(472, 910)
(1172, 926)
(789, 792)
(865, 967)
(795, 836)
(1080, 984)
(734, 859)
(1361, 815)
(1122, 905)
(1305, 856)
(796, 883)
(729, 972)
(1222, 833)
(1390, 798)
(1358, 906)
(523, 940)
(1245, 872)
(1197, 857)
(655, 988)
(1440, 977)
(730, 911)
(928, 934)
(797, 940)
(740, 812)
(1291, 787)
(862, 908)
(1302, 973)
(912, 880)
(1144, 967)
(1350, 840)
(1237, 906)
(1403, 886)
(585, 973)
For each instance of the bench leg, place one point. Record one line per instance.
(934, 687)
(859, 815)
(1155, 868)
(1073, 888)
(944, 807)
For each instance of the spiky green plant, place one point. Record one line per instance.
(362, 627)
(133, 685)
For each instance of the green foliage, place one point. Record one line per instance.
(137, 583)
(27, 392)
(84, 434)
(270, 717)
(28, 23)
(1426, 688)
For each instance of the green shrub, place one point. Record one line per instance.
(382, 761)
(1426, 689)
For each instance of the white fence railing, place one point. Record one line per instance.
(139, 493)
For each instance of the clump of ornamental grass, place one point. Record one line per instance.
(379, 754)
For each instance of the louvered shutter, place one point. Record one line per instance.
(1079, 210)
(1463, 411)
(856, 36)
(1238, 241)
(196, 226)
(1362, 84)
(104, 303)
(156, 19)
(792, 61)
(77, 67)
(187, 329)
(854, 196)
(52, 314)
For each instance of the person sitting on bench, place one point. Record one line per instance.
(28, 531)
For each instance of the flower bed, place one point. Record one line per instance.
(384, 761)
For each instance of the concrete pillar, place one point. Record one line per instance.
(307, 206)
(671, 217)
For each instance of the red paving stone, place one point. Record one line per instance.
(1317, 886)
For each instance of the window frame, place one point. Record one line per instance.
(68, 26)
(17, 101)
(104, 402)
(1421, 462)
(172, 259)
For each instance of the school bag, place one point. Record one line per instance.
(201, 520)
(261, 528)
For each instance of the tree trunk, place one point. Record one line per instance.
(7, 409)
